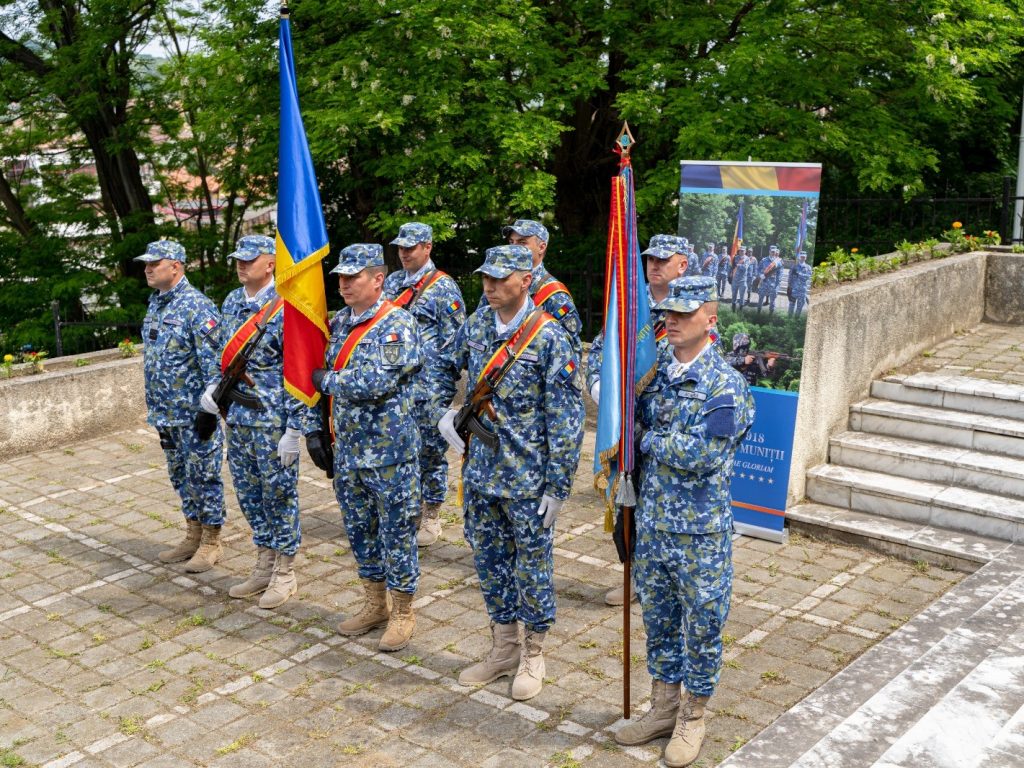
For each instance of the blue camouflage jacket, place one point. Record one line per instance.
(374, 419)
(439, 312)
(800, 279)
(538, 404)
(280, 409)
(773, 277)
(691, 429)
(182, 338)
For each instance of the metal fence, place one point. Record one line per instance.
(87, 336)
(876, 224)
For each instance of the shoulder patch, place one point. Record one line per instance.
(454, 307)
(568, 374)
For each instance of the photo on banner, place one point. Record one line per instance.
(751, 226)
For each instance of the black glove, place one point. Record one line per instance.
(206, 425)
(318, 381)
(321, 452)
(618, 536)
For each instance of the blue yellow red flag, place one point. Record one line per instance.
(801, 230)
(301, 239)
(630, 354)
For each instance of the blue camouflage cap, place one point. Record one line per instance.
(413, 233)
(502, 260)
(526, 228)
(163, 249)
(251, 247)
(354, 258)
(659, 252)
(773, 248)
(676, 243)
(686, 294)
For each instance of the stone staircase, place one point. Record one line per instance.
(932, 462)
(931, 468)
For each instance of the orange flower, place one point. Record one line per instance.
(855, 250)
(957, 225)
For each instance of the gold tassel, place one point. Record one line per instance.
(609, 520)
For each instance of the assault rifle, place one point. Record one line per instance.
(467, 420)
(761, 359)
(227, 390)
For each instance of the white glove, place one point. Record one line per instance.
(549, 508)
(595, 392)
(206, 401)
(288, 447)
(447, 428)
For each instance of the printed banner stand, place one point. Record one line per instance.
(751, 226)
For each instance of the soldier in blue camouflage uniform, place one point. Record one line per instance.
(709, 261)
(513, 493)
(722, 272)
(182, 338)
(263, 445)
(664, 264)
(741, 276)
(559, 305)
(693, 416)
(440, 312)
(377, 443)
(799, 284)
(771, 274)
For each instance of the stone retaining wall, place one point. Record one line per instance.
(858, 331)
(67, 404)
(1004, 288)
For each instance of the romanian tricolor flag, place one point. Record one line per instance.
(737, 235)
(630, 354)
(301, 239)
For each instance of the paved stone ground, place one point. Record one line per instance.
(110, 660)
(987, 351)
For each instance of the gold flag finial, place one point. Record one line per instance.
(624, 141)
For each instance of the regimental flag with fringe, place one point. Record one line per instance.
(301, 239)
(630, 354)
(737, 235)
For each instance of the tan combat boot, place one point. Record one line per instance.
(530, 675)
(614, 596)
(503, 658)
(658, 721)
(187, 547)
(208, 552)
(375, 611)
(429, 527)
(259, 579)
(684, 746)
(282, 583)
(401, 623)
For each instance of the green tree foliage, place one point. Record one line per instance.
(468, 114)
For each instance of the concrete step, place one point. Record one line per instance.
(948, 465)
(990, 434)
(944, 690)
(959, 393)
(917, 501)
(897, 538)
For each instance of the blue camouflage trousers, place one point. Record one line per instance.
(684, 582)
(739, 294)
(380, 506)
(514, 558)
(433, 462)
(267, 491)
(194, 468)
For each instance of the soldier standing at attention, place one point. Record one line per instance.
(547, 292)
(435, 300)
(693, 416)
(263, 445)
(182, 336)
(370, 364)
(771, 274)
(513, 492)
(724, 264)
(740, 279)
(664, 264)
(799, 284)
